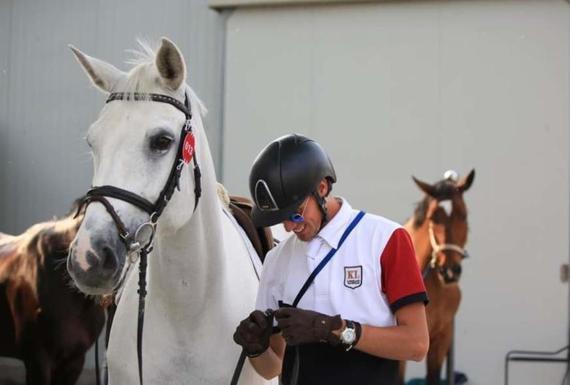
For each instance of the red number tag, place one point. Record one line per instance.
(188, 148)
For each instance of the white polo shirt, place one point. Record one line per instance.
(370, 277)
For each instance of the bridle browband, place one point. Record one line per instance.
(136, 243)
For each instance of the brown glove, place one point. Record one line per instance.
(301, 326)
(253, 333)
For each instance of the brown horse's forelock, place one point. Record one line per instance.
(443, 190)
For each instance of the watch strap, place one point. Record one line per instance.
(357, 331)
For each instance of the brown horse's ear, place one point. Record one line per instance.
(425, 187)
(465, 183)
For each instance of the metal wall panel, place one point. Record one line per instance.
(47, 103)
(405, 88)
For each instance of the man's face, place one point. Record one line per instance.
(306, 229)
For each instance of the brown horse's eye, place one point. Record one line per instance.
(160, 143)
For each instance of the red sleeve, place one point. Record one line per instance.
(401, 278)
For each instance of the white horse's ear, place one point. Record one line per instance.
(170, 65)
(103, 75)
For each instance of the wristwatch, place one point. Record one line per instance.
(349, 335)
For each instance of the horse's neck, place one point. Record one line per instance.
(188, 263)
(420, 238)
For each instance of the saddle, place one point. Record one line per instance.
(261, 237)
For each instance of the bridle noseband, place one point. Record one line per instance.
(448, 277)
(139, 242)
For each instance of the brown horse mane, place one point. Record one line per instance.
(39, 300)
(22, 255)
(420, 212)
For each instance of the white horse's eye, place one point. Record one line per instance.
(160, 143)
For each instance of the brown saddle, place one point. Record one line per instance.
(261, 237)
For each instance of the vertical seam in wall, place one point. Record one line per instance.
(8, 107)
(568, 181)
(439, 86)
(225, 14)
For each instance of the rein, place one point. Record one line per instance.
(141, 242)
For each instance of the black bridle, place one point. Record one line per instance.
(142, 240)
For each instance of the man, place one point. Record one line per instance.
(345, 290)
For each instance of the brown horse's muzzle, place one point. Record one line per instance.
(450, 273)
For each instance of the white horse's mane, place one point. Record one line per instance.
(143, 71)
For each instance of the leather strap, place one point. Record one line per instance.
(142, 297)
(124, 195)
(327, 258)
(309, 281)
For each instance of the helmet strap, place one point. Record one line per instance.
(323, 207)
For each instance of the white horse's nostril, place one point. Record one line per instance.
(79, 249)
(108, 259)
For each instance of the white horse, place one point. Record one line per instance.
(201, 280)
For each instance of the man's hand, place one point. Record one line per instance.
(253, 333)
(301, 326)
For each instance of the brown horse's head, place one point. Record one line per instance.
(444, 214)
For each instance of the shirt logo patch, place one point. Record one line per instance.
(353, 276)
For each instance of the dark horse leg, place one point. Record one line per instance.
(38, 369)
(436, 356)
(402, 373)
(68, 371)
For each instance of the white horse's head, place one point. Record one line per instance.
(134, 146)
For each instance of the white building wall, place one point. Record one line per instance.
(408, 87)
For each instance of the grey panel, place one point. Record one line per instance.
(46, 102)
(5, 23)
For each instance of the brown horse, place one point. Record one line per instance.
(43, 320)
(439, 237)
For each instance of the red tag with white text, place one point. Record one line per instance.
(188, 148)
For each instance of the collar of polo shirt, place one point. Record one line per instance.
(333, 230)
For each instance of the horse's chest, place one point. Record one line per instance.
(179, 346)
(444, 301)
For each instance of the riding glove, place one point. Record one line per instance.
(253, 333)
(301, 326)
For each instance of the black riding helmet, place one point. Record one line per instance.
(284, 174)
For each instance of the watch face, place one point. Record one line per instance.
(348, 336)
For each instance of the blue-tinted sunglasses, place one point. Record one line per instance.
(298, 218)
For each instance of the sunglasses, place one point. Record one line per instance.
(298, 218)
